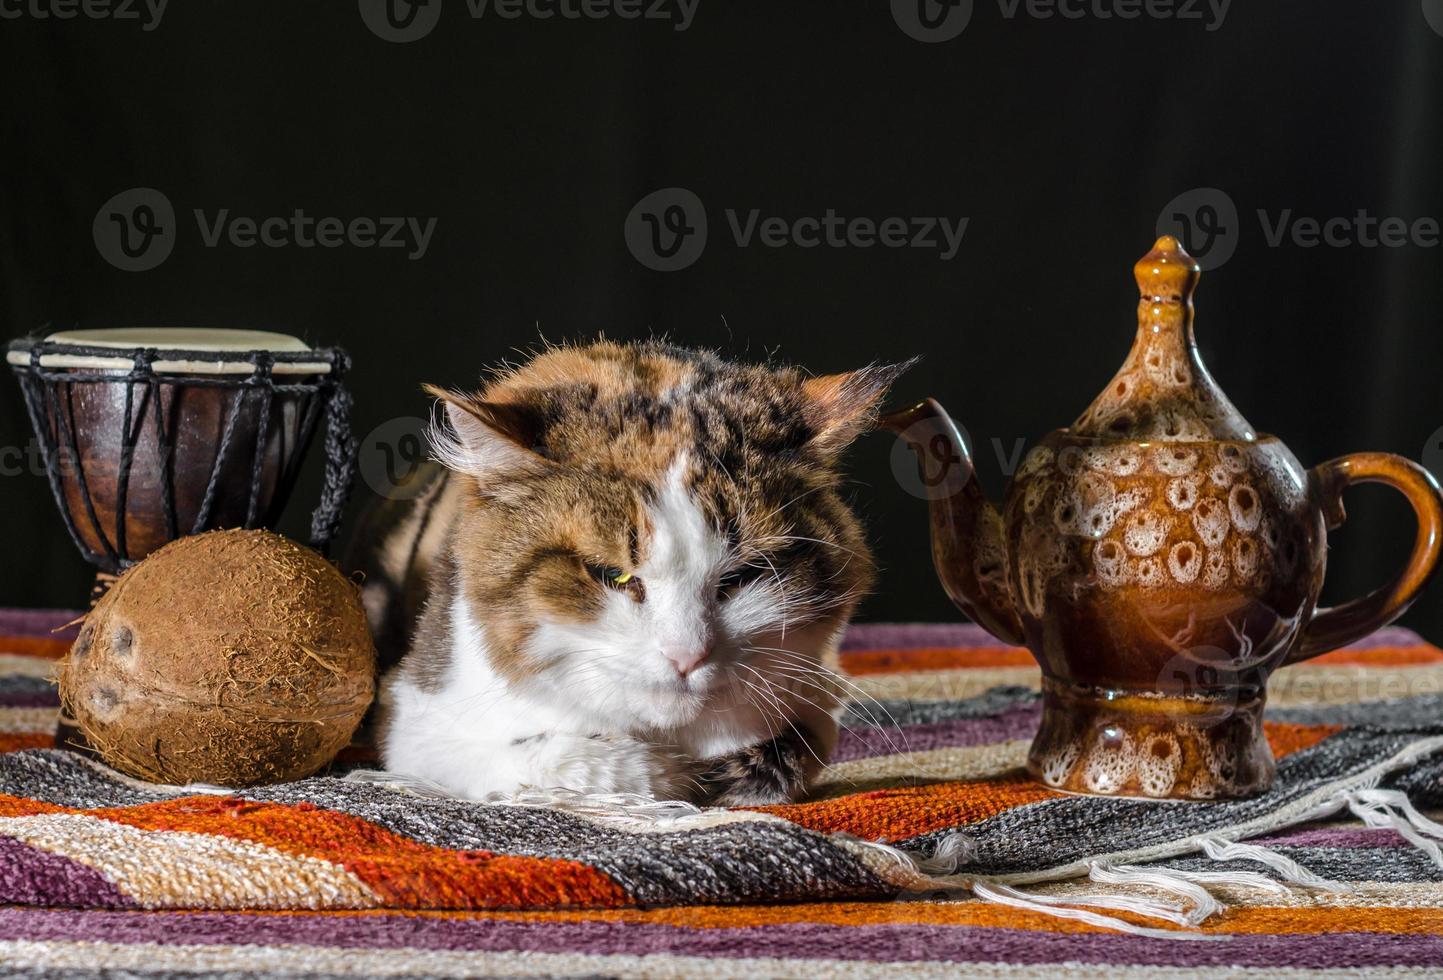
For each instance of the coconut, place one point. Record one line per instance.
(234, 658)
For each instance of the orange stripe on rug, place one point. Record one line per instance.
(34, 646)
(1287, 738)
(1383, 656)
(862, 662)
(901, 812)
(23, 806)
(403, 872)
(15, 741)
(907, 811)
(1262, 920)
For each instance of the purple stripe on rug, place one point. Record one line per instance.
(30, 699)
(1389, 636)
(30, 876)
(878, 943)
(865, 743)
(905, 636)
(38, 622)
(1347, 837)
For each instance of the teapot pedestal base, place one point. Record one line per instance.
(1145, 744)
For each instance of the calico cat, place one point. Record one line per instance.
(637, 568)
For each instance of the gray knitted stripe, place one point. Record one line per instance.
(746, 862)
(1390, 864)
(122, 973)
(20, 684)
(866, 714)
(1057, 832)
(1396, 715)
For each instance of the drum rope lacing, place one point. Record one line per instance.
(48, 396)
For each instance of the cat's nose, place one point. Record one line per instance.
(686, 658)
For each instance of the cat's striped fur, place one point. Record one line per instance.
(631, 579)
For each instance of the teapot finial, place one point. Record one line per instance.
(1163, 392)
(1167, 272)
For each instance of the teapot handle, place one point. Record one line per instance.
(1341, 625)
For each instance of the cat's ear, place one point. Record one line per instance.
(841, 407)
(485, 438)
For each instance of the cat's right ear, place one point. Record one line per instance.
(485, 439)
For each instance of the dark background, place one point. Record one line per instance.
(530, 141)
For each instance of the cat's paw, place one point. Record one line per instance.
(777, 771)
(611, 765)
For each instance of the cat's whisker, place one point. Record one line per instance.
(778, 701)
(858, 697)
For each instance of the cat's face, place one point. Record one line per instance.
(651, 533)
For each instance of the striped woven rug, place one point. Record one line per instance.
(926, 850)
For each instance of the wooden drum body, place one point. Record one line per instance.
(149, 435)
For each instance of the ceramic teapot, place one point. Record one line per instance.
(1160, 558)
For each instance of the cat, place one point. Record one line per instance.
(634, 569)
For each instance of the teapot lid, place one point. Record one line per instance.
(1163, 393)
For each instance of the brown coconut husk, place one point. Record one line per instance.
(234, 657)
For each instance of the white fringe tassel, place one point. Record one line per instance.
(1220, 849)
(938, 873)
(1391, 809)
(1204, 905)
(1054, 905)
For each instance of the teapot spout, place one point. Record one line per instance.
(968, 546)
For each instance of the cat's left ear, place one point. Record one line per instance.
(486, 439)
(841, 407)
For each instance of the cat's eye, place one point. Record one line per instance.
(738, 577)
(614, 577)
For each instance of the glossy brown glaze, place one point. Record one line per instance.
(1160, 559)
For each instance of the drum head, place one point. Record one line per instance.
(131, 339)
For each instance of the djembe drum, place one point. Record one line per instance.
(151, 434)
